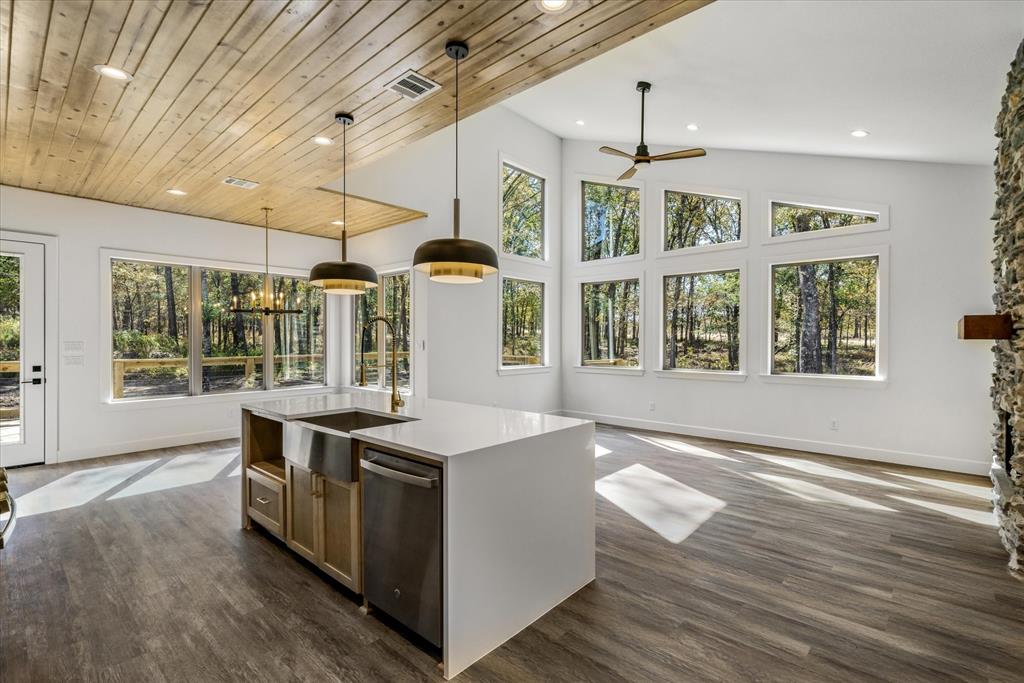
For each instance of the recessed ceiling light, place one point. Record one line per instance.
(337, 222)
(176, 192)
(691, 126)
(112, 72)
(859, 133)
(323, 140)
(553, 6)
(580, 122)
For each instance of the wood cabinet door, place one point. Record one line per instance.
(339, 525)
(302, 511)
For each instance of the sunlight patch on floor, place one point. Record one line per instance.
(819, 494)
(677, 446)
(600, 450)
(670, 509)
(972, 490)
(818, 469)
(182, 470)
(77, 488)
(985, 517)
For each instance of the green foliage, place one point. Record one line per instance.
(10, 337)
(522, 213)
(611, 221)
(792, 218)
(611, 323)
(522, 322)
(694, 220)
(824, 317)
(10, 285)
(702, 314)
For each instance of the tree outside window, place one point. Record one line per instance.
(697, 220)
(522, 323)
(790, 219)
(149, 329)
(824, 317)
(701, 326)
(611, 323)
(611, 221)
(522, 213)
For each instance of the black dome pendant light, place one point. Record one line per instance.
(453, 260)
(343, 277)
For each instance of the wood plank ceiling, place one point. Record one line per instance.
(240, 87)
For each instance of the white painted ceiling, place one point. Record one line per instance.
(925, 78)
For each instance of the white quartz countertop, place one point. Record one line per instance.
(433, 428)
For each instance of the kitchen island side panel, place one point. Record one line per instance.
(518, 537)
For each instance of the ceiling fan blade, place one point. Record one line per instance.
(615, 152)
(630, 172)
(681, 154)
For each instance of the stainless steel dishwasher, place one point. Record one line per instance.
(402, 541)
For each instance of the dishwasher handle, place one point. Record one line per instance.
(423, 482)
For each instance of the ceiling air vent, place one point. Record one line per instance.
(241, 182)
(413, 86)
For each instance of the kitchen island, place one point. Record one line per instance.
(342, 480)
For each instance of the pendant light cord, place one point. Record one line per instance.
(344, 192)
(456, 209)
(266, 240)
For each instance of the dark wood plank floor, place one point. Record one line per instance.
(806, 574)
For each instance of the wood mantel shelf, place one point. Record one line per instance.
(995, 326)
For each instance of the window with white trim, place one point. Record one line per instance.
(825, 317)
(791, 218)
(610, 221)
(522, 213)
(522, 323)
(611, 323)
(699, 220)
(391, 299)
(154, 308)
(701, 323)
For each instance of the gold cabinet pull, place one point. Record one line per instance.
(262, 501)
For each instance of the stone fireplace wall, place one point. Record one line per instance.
(1008, 378)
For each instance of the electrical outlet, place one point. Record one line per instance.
(650, 406)
(834, 424)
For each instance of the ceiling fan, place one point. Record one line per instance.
(642, 156)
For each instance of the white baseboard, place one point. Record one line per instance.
(934, 462)
(68, 455)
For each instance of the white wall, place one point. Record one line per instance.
(933, 410)
(89, 426)
(458, 323)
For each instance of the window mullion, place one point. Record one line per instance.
(268, 335)
(195, 331)
(382, 365)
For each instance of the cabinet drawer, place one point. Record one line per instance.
(266, 502)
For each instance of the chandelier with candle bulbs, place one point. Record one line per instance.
(256, 304)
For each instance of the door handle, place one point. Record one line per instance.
(34, 380)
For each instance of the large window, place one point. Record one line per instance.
(522, 213)
(824, 317)
(150, 329)
(152, 306)
(392, 299)
(699, 220)
(611, 323)
(299, 338)
(522, 323)
(701, 327)
(791, 218)
(232, 342)
(611, 221)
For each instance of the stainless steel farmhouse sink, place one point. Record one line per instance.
(322, 443)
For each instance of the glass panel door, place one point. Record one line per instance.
(22, 380)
